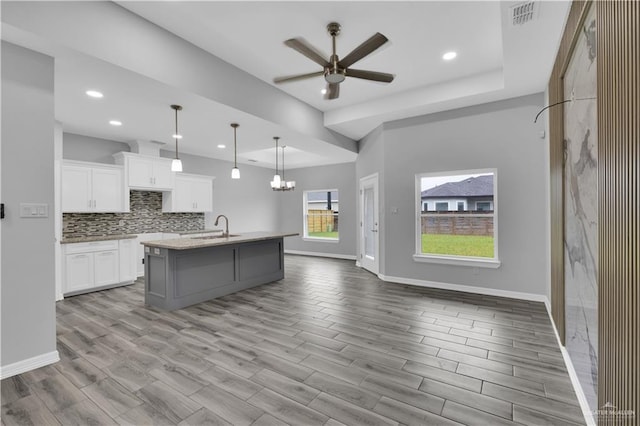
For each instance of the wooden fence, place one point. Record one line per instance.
(456, 223)
(322, 221)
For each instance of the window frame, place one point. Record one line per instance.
(478, 262)
(305, 235)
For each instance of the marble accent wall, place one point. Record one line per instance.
(581, 210)
(146, 216)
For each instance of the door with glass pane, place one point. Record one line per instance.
(369, 247)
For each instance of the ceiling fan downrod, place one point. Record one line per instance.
(334, 74)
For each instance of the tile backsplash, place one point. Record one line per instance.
(146, 216)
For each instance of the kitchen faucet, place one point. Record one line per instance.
(226, 220)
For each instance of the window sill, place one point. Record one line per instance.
(321, 240)
(460, 261)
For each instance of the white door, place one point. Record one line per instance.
(128, 256)
(106, 265)
(162, 174)
(76, 189)
(369, 240)
(202, 194)
(78, 272)
(182, 199)
(141, 172)
(107, 190)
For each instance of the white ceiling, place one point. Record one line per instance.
(495, 61)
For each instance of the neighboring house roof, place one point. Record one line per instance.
(481, 186)
(319, 196)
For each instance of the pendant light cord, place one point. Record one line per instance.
(176, 135)
(276, 138)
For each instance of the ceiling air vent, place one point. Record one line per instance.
(523, 12)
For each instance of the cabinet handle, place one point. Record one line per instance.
(89, 203)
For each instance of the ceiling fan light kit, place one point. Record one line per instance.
(335, 70)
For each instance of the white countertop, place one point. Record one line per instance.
(200, 242)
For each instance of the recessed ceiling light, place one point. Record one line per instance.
(176, 136)
(94, 93)
(115, 123)
(323, 91)
(221, 146)
(449, 56)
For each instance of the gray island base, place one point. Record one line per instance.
(186, 271)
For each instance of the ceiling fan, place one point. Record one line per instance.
(335, 70)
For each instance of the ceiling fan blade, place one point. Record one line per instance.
(297, 77)
(302, 46)
(374, 42)
(333, 91)
(370, 75)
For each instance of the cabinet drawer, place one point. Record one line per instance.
(90, 247)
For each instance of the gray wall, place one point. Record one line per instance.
(290, 206)
(28, 287)
(87, 148)
(371, 161)
(498, 135)
(248, 202)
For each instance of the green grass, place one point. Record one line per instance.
(333, 234)
(457, 245)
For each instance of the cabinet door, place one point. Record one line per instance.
(202, 194)
(141, 172)
(106, 269)
(107, 190)
(182, 201)
(162, 174)
(76, 189)
(78, 272)
(128, 264)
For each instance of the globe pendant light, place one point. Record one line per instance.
(176, 164)
(235, 172)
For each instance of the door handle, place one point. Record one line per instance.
(374, 230)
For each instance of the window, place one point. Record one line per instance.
(321, 215)
(466, 235)
(483, 206)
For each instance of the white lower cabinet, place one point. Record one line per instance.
(79, 272)
(97, 264)
(106, 268)
(128, 264)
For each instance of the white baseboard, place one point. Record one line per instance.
(577, 387)
(28, 364)
(466, 288)
(317, 254)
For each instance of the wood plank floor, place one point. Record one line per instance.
(330, 344)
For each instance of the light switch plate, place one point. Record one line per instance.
(34, 210)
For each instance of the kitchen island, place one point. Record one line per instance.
(185, 271)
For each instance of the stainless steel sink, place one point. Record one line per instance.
(213, 237)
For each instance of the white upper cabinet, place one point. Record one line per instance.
(91, 187)
(192, 193)
(146, 172)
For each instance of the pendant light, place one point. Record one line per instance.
(176, 164)
(275, 183)
(235, 172)
(278, 183)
